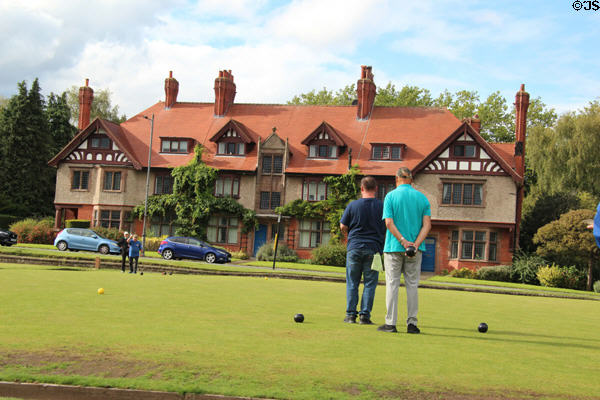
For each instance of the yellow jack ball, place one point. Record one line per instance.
(101, 291)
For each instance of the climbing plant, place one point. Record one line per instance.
(344, 189)
(193, 201)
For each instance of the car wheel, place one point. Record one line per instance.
(62, 245)
(167, 254)
(210, 258)
(104, 249)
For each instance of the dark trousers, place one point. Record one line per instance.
(123, 259)
(131, 262)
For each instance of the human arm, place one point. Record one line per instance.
(425, 228)
(389, 224)
(344, 229)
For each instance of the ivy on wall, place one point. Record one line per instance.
(193, 201)
(344, 189)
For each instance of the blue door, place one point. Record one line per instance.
(428, 261)
(260, 237)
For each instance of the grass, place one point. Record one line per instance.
(235, 336)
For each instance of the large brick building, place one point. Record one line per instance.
(268, 155)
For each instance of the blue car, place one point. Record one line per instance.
(189, 247)
(85, 239)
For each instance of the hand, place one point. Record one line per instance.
(590, 226)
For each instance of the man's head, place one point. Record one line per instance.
(403, 176)
(135, 236)
(126, 234)
(368, 186)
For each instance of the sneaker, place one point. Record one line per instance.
(412, 329)
(351, 319)
(387, 328)
(365, 320)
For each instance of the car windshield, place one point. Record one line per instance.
(99, 235)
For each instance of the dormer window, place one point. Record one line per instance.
(387, 152)
(99, 142)
(174, 145)
(233, 139)
(324, 142)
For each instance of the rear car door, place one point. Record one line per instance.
(196, 248)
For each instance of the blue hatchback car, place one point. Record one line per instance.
(189, 247)
(85, 239)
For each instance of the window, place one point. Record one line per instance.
(313, 233)
(112, 180)
(387, 152)
(100, 142)
(465, 150)
(466, 194)
(315, 190)
(274, 231)
(174, 145)
(383, 189)
(163, 184)
(227, 186)
(231, 148)
(222, 230)
(270, 200)
(80, 180)
(322, 151)
(472, 245)
(272, 164)
(109, 219)
(161, 225)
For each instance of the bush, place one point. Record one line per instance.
(30, 230)
(77, 223)
(153, 242)
(463, 273)
(7, 220)
(597, 286)
(525, 268)
(284, 253)
(499, 273)
(240, 254)
(330, 254)
(109, 233)
(561, 277)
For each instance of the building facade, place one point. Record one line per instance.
(269, 155)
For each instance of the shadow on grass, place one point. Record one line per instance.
(492, 335)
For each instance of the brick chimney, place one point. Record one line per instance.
(224, 92)
(475, 122)
(365, 90)
(86, 95)
(521, 105)
(171, 90)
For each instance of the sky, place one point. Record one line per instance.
(278, 49)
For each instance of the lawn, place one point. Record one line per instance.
(236, 336)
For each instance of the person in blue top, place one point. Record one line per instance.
(363, 225)
(407, 215)
(596, 225)
(134, 253)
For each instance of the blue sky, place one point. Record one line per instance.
(277, 49)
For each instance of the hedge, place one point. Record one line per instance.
(77, 223)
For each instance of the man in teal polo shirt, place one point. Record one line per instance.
(407, 215)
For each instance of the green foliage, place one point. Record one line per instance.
(330, 254)
(525, 267)
(240, 255)
(597, 286)
(101, 106)
(565, 156)
(77, 223)
(344, 188)
(109, 233)
(58, 115)
(284, 253)
(567, 241)
(463, 273)
(7, 220)
(561, 277)
(31, 230)
(500, 273)
(193, 201)
(153, 243)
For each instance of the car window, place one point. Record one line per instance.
(178, 240)
(194, 242)
(75, 231)
(94, 233)
(88, 233)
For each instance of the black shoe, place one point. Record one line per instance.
(365, 320)
(388, 328)
(351, 319)
(412, 329)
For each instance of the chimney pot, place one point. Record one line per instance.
(86, 96)
(224, 92)
(365, 90)
(171, 91)
(87, 81)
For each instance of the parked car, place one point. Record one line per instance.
(189, 247)
(85, 239)
(7, 238)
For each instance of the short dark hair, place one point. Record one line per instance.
(368, 183)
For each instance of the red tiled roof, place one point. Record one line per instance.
(421, 129)
(506, 151)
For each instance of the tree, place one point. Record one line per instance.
(565, 156)
(58, 115)
(567, 241)
(408, 96)
(25, 148)
(3, 102)
(497, 123)
(101, 106)
(463, 104)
